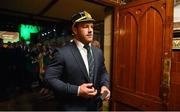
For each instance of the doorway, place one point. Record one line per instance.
(52, 17)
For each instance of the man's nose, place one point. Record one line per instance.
(90, 29)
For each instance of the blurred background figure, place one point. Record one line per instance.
(96, 43)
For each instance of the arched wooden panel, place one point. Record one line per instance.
(138, 56)
(150, 53)
(127, 52)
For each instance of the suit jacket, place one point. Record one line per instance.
(67, 71)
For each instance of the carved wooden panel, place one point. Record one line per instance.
(149, 54)
(138, 55)
(127, 52)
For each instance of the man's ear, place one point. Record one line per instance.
(74, 29)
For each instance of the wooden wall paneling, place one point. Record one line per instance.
(127, 51)
(174, 97)
(138, 54)
(150, 53)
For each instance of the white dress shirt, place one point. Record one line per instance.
(83, 53)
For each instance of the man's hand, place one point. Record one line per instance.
(87, 90)
(103, 89)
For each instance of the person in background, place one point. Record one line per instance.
(96, 43)
(77, 73)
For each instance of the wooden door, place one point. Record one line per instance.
(142, 55)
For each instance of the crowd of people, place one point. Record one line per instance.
(22, 67)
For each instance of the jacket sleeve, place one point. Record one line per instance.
(54, 76)
(104, 73)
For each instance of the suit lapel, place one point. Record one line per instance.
(79, 60)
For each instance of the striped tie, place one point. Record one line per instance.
(90, 61)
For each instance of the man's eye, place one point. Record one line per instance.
(88, 26)
(85, 26)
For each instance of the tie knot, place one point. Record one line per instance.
(87, 47)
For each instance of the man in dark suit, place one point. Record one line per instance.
(77, 73)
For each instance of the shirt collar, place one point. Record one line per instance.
(79, 44)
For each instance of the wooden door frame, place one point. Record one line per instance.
(105, 2)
